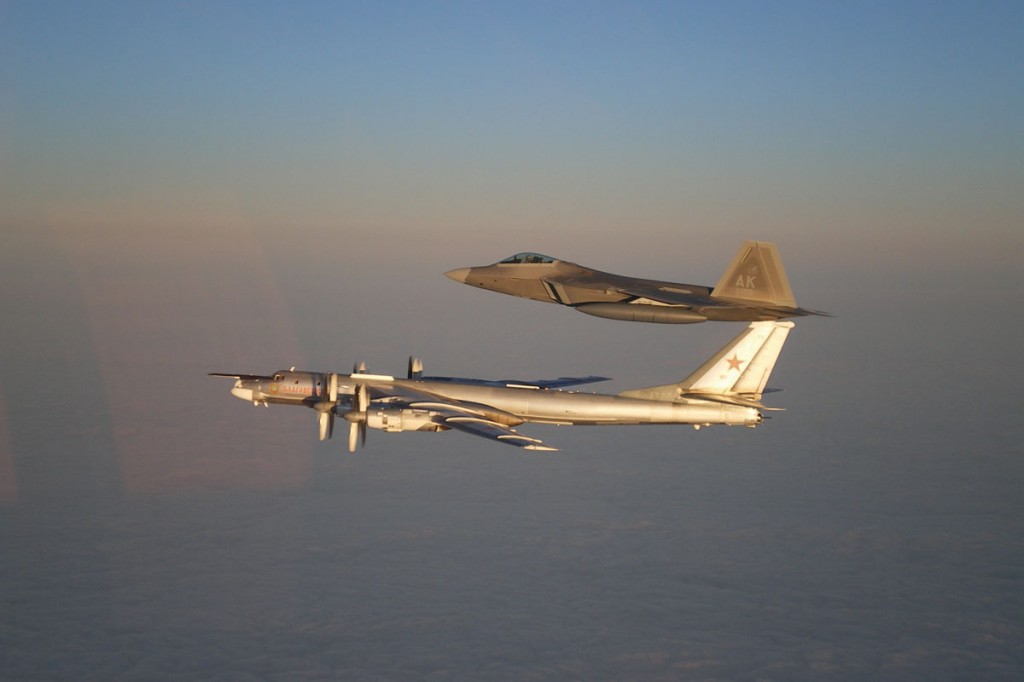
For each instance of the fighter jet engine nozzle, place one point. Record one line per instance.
(640, 312)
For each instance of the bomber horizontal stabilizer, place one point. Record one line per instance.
(729, 400)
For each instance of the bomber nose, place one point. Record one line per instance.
(239, 392)
(458, 274)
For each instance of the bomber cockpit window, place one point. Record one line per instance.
(527, 257)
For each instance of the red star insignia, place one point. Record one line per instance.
(735, 362)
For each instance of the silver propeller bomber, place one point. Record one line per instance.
(726, 389)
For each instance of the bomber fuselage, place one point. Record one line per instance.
(509, 405)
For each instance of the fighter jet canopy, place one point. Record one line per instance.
(528, 257)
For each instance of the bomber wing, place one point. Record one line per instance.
(246, 377)
(416, 372)
(560, 382)
(472, 418)
(478, 426)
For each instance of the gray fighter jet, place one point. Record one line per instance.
(727, 389)
(754, 287)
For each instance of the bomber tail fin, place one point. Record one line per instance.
(736, 374)
(756, 276)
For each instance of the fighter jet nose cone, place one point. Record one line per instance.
(459, 274)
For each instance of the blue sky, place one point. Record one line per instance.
(798, 121)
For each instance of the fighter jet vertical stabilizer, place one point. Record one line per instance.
(756, 275)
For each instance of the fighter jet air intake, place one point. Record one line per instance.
(727, 389)
(754, 287)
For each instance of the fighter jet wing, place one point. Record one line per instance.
(669, 295)
(697, 298)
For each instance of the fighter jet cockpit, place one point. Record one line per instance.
(527, 257)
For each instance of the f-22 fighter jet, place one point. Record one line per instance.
(727, 389)
(754, 287)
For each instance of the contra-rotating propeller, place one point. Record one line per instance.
(357, 418)
(325, 408)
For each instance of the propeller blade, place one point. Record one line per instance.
(326, 420)
(328, 399)
(353, 436)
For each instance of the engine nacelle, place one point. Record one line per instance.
(641, 312)
(395, 420)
